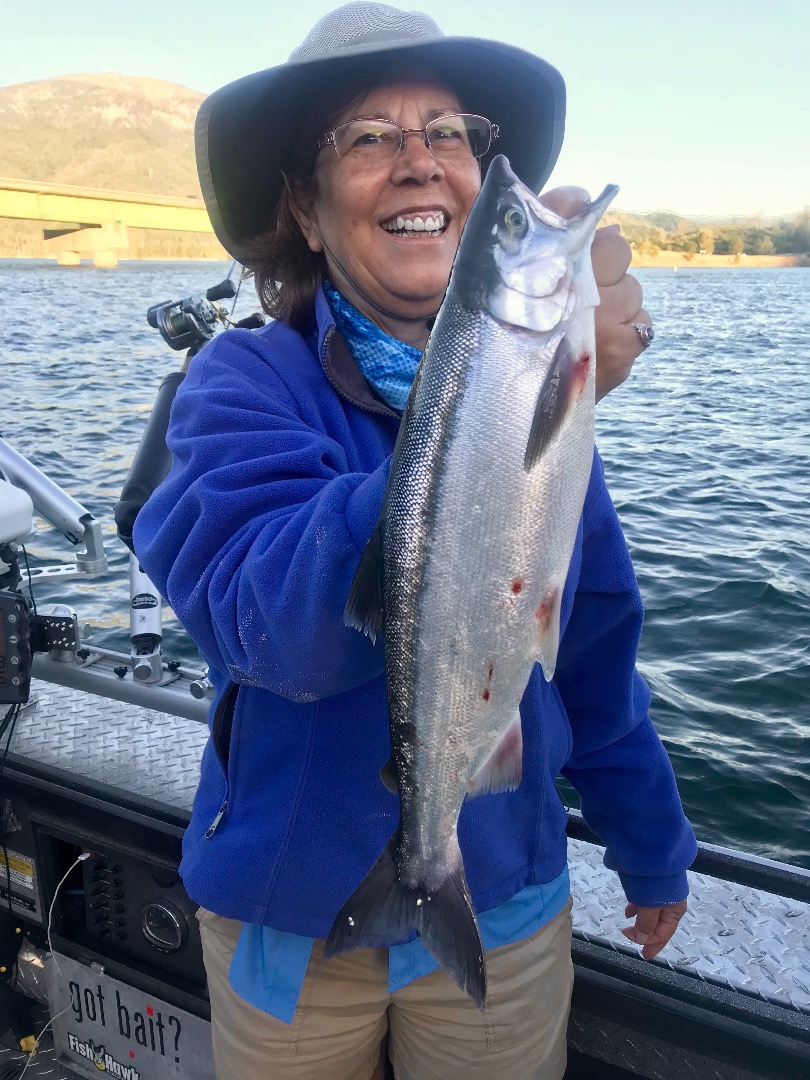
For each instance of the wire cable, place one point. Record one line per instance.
(84, 855)
(42, 1032)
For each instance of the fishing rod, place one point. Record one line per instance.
(183, 324)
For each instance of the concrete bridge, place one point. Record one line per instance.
(95, 219)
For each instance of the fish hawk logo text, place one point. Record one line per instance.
(103, 1061)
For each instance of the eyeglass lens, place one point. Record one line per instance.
(459, 134)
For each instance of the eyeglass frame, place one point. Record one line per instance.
(328, 137)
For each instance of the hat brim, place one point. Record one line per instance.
(245, 130)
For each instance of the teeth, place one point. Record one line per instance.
(431, 224)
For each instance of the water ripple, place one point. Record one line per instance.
(707, 453)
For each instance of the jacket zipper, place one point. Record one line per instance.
(212, 828)
(382, 410)
(225, 704)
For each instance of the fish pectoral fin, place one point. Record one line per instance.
(552, 404)
(389, 775)
(548, 631)
(503, 769)
(364, 608)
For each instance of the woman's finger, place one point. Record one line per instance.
(565, 201)
(620, 302)
(654, 926)
(611, 256)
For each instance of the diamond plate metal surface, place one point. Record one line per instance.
(43, 1066)
(29, 978)
(642, 1054)
(732, 935)
(147, 753)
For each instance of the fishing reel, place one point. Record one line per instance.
(193, 321)
(189, 323)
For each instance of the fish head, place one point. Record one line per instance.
(519, 261)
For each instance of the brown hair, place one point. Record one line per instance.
(286, 272)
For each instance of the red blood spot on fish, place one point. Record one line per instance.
(543, 614)
(580, 375)
(508, 751)
(489, 682)
(517, 586)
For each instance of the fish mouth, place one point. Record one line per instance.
(417, 223)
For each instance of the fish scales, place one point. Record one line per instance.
(488, 531)
(465, 570)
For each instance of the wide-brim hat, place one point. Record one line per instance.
(246, 130)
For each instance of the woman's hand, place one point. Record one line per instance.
(617, 342)
(654, 926)
(620, 304)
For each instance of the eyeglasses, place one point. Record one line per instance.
(376, 142)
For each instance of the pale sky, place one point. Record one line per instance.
(696, 106)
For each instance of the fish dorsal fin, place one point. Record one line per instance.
(552, 404)
(364, 608)
(548, 631)
(503, 769)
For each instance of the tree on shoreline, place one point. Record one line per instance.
(654, 232)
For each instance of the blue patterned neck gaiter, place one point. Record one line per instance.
(388, 364)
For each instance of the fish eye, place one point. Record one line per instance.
(514, 219)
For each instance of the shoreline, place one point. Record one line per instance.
(678, 259)
(672, 260)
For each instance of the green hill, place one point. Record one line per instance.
(122, 132)
(110, 131)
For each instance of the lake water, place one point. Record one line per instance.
(707, 453)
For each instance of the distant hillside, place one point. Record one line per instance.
(110, 131)
(652, 233)
(131, 133)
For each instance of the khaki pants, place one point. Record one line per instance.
(435, 1032)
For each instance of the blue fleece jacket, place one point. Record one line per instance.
(280, 458)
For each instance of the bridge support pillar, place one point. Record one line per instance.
(103, 244)
(68, 258)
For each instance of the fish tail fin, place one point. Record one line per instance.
(450, 933)
(384, 911)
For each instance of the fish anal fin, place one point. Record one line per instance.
(547, 617)
(503, 769)
(552, 403)
(364, 608)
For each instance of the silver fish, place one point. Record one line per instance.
(465, 570)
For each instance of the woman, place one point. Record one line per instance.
(281, 441)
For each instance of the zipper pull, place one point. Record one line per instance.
(212, 828)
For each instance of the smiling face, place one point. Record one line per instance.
(394, 226)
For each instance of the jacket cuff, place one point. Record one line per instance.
(655, 891)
